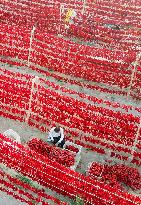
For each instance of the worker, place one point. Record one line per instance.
(69, 18)
(56, 136)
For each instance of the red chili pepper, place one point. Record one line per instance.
(61, 156)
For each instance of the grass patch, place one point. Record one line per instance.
(28, 181)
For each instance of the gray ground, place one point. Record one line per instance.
(9, 200)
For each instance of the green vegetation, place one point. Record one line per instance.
(28, 181)
(78, 201)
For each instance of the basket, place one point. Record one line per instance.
(78, 154)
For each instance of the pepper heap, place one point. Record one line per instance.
(115, 174)
(72, 148)
(54, 153)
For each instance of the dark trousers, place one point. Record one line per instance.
(56, 139)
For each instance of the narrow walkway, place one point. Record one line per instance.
(9, 200)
